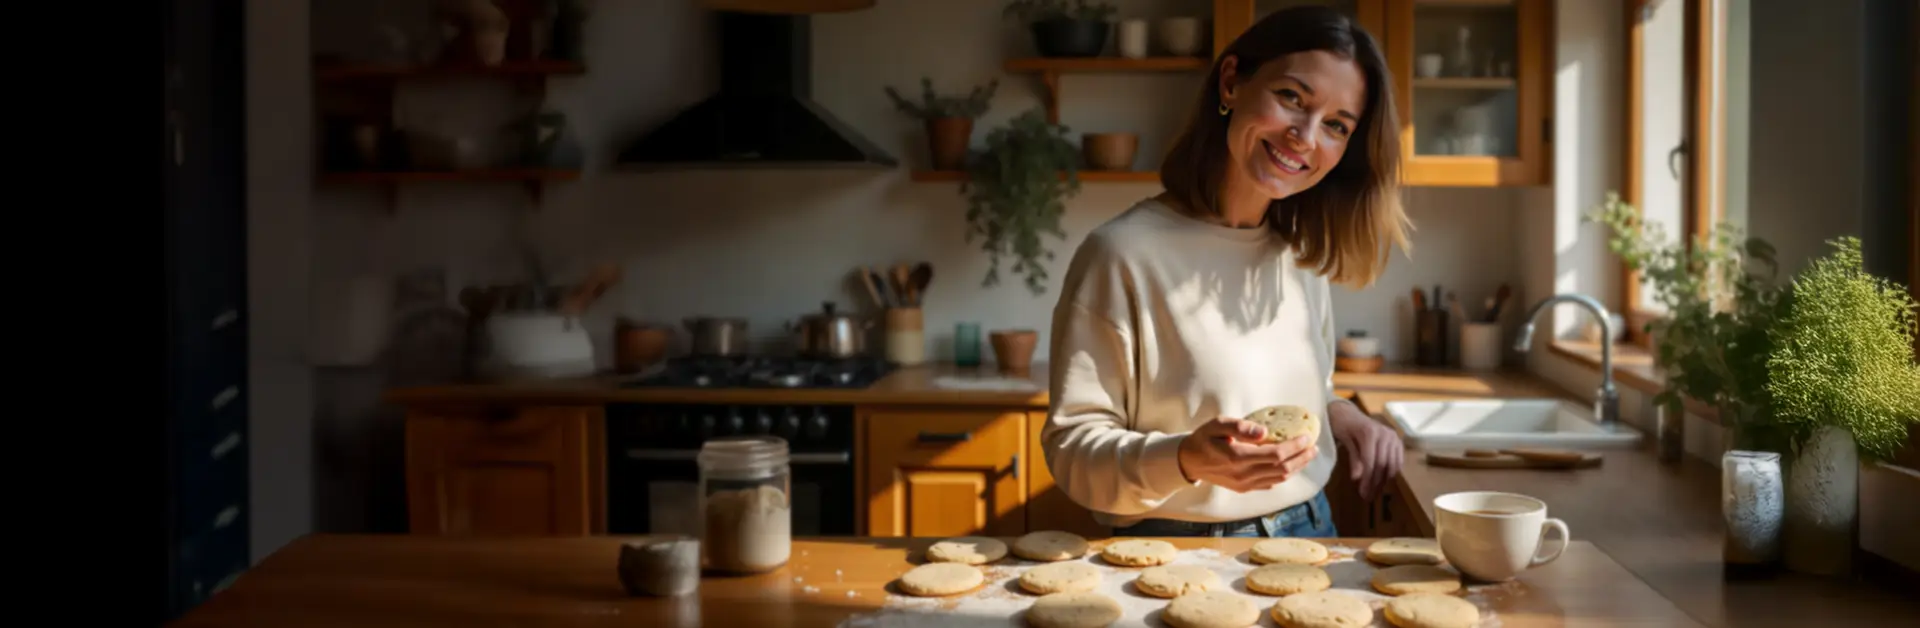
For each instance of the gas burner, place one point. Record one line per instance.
(765, 372)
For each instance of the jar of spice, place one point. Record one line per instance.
(746, 514)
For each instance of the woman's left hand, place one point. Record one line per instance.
(1375, 449)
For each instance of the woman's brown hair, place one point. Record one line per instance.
(1343, 225)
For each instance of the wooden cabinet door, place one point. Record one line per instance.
(1048, 508)
(504, 471)
(945, 473)
(1480, 118)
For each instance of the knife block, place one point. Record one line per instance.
(1430, 337)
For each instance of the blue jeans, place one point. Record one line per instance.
(1311, 519)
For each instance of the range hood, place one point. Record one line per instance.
(763, 115)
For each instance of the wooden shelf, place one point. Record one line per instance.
(1086, 176)
(1467, 82)
(1106, 64)
(1464, 3)
(335, 72)
(422, 176)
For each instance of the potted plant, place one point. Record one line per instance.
(1845, 390)
(1063, 28)
(949, 119)
(1016, 192)
(1721, 299)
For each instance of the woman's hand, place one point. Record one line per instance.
(1375, 449)
(1226, 452)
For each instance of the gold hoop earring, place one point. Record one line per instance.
(1224, 110)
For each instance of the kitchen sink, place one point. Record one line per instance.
(1505, 423)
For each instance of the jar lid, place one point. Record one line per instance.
(743, 451)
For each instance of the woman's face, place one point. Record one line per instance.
(1292, 118)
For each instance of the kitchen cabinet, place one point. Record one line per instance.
(1477, 111)
(944, 472)
(505, 470)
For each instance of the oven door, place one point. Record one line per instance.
(657, 491)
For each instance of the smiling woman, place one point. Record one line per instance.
(1210, 302)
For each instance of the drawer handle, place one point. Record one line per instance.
(226, 581)
(225, 318)
(226, 517)
(945, 437)
(225, 397)
(226, 445)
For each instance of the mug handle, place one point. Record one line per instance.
(1565, 538)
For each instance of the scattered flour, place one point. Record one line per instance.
(1002, 603)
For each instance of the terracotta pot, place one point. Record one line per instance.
(949, 137)
(1110, 151)
(1013, 349)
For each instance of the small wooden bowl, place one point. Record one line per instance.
(1110, 151)
(1359, 365)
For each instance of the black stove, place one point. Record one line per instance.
(763, 372)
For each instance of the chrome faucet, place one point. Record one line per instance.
(1606, 404)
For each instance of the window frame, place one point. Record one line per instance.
(1705, 160)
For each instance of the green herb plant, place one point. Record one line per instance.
(933, 106)
(1843, 356)
(1721, 300)
(1031, 11)
(1016, 193)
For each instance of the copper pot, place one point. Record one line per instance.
(637, 346)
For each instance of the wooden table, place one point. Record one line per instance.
(372, 581)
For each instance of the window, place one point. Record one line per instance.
(1685, 90)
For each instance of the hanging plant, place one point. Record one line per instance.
(1016, 193)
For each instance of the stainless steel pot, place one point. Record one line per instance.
(830, 334)
(717, 337)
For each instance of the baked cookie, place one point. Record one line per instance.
(970, 550)
(1405, 550)
(1064, 577)
(1084, 609)
(1409, 579)
(1211, 609)
(1284, 422)
(937, 579)
(1322, 609)
(1288, 550)
(1431, 610)
(1288, 579)
(1139, 552)
(1171, 581)
(1050, 545)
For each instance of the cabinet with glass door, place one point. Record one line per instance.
(1472, 82)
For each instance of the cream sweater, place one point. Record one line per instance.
(1165, 322)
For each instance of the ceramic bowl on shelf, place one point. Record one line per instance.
(1357, 344)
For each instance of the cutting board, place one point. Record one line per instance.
(1514, 459)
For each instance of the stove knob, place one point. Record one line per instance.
(790, 424)
(817, 425)
(686, 427)
(763, 422)
(709, 425)
(736, 424)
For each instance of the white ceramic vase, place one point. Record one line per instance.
(1822, 509)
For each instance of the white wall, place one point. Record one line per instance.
(1560, 251)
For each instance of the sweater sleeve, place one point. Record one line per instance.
(1095, 455)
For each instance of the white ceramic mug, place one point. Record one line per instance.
(1492, 537)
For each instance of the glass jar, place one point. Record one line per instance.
(746, 516)
(1752, 499)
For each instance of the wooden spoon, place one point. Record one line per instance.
(901, 287)
(873, 291)
(597, 282)
(921, 276)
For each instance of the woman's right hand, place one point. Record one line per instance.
(1226, 452)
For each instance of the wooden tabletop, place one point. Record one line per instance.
(393, 580)
(1660, 521)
